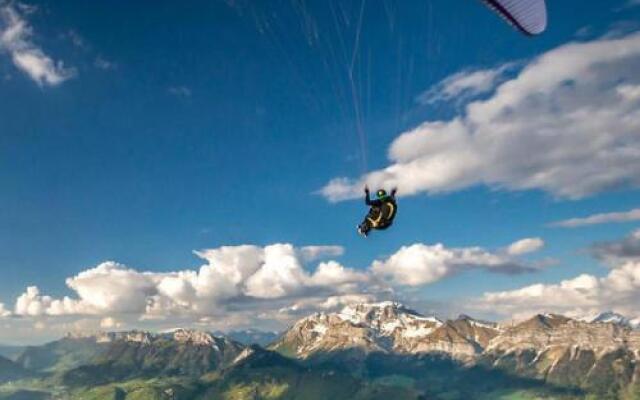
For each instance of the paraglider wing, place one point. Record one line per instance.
(529, 16)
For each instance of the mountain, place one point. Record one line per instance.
(68, 352)
(10, 370)
(262, 374)
(610, 317)
(386, 327)
(365, 351)
(11, 352)
(599, 357)
(143, 371)
(135, 354)
(251, 336)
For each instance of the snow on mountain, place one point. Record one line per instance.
(610, 317)
(384, 327)
(479, 323)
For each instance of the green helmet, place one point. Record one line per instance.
(381, 193)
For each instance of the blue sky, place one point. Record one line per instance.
(175, 128)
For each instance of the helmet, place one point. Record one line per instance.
(381, 193)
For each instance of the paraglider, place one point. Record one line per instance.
(529, 16)
(382, 211)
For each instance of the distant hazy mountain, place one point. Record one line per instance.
(60, 355)
(10, 371)
(142, 354)
(11, 352)
(251, 336)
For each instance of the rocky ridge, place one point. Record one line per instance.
(553, 348)
(385, 327)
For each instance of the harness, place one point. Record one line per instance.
(382, 221)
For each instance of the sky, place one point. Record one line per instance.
(202, 165)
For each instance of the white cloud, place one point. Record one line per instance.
(331, 303)
(16, 39)
(112, 287)
(232, 274)
(241, 285)
(583, 295)
(333, 274)
(524, 246)
(421, 264)
(279, 275)
(603, 218)
(311, 253)
(580, 296)
(567, 124)
(465, 85)
(32, 303)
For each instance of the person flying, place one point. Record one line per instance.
(382, 211)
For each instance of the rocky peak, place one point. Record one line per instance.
(366, 312)
(383, 327)
(477, 322)
(611, 317)
(194, 337)
(541, 322)
(387, 317)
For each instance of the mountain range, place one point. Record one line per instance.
(364, 351)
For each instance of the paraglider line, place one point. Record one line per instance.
(356, 45)
(354, 95)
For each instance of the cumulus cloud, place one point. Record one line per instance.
(614, 252)
(312, 253)
(465, 85)
(32, 303)
(334, 274)
(240, 273)
(583, 295)
(524, 246)
(421, 264)
(240, 285)
(568, 124)
(16, 40)
(603, 218)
